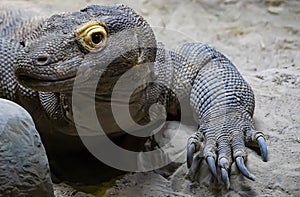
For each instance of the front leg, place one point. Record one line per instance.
(224, 103)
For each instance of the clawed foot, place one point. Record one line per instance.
(219, 151)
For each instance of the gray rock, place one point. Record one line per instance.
(24, 168)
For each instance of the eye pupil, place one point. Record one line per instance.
(96, 38)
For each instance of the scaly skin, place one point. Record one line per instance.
(217, 93)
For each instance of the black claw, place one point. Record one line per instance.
(241, 165)
(263, 148)
(212, 165)
(190, 154)
(225, 178)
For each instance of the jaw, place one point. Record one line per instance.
(62, 85)
(56, 77)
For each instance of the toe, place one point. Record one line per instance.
(194, 169)
(210, 156)
(195, 144)
(239, 153)
(224, 164)
(257, 139)
(225, 159)
(191, 149)
(241, 165)
(263, 147)
(212, 166)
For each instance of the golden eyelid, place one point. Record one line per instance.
(84, 35)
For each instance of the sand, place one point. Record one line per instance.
(261, 37)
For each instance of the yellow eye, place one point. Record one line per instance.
(92, 35)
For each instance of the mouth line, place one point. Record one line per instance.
(53, 85)
(27, 78)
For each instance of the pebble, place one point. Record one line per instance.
(275, 9)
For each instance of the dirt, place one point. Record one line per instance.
(261, 37)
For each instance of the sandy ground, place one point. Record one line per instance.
(261, 37)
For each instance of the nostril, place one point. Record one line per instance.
(42, 59)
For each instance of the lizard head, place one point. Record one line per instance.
(109, 39)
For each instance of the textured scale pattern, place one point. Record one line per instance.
(8, 83)
(215, 86)
(51, 104)
(18, 25)
(10, 88)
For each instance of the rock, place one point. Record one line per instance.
(275, 9)
(24, 168)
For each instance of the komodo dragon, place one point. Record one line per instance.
(111, 40)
